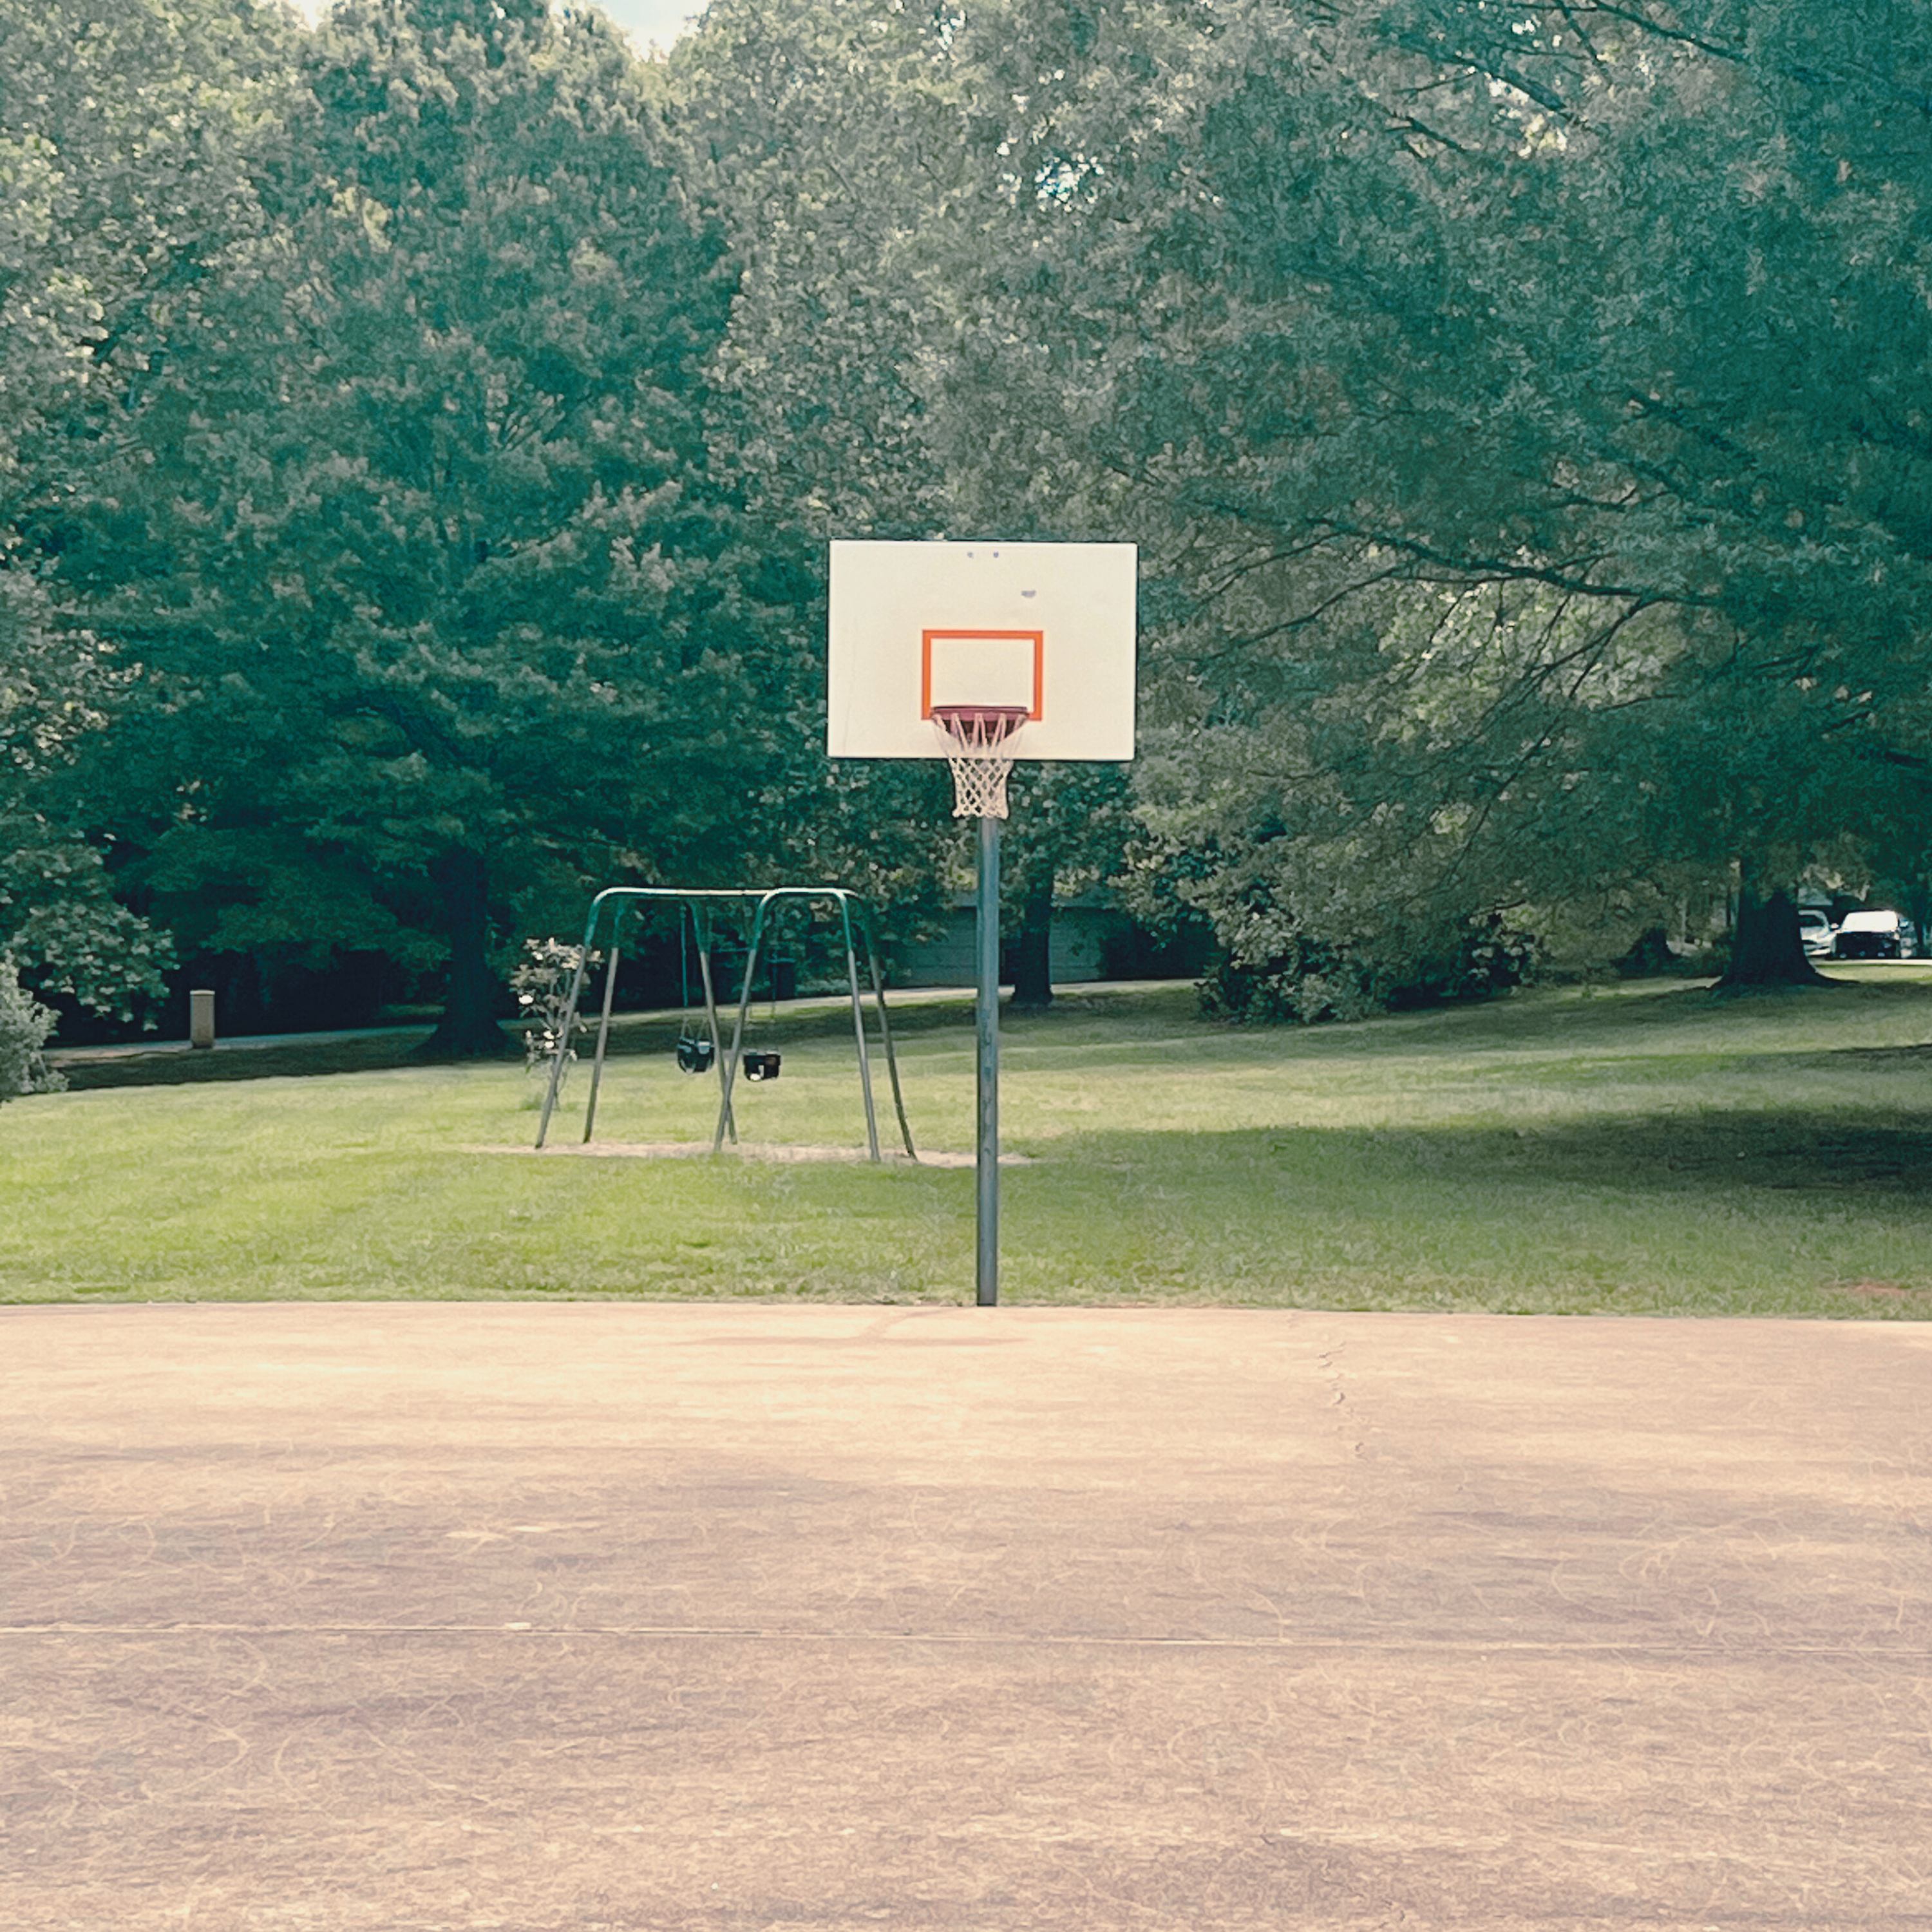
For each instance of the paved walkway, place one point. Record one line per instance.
(830, 1618)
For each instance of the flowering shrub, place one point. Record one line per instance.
(26, 1026)
(542, 984)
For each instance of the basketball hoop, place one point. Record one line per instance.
(976, 736)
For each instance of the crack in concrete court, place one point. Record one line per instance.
(596, 1618)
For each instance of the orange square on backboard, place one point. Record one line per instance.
(1027, 687)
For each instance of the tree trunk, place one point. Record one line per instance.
(1033, 956)
(468, 1029)
(1766, 949)
(1919, 898)
(1649, 956)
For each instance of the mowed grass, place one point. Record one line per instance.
(1645, 1150)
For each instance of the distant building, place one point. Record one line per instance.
(1093, 939)
(1084, 933)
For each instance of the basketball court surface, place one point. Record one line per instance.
(829, 1618)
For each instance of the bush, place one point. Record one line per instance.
(542, 984)
(26, 1027)
(1309, 982)
(1488, 958)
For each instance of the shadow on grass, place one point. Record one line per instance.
(297, 1059)
(1721, 1151)
(1560, 1018)
(1786, 1213)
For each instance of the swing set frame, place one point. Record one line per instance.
(695, 902)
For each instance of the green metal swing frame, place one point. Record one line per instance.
(610, 907)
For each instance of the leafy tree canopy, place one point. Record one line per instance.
(1355, 315)
(121, 127)
(437, 613)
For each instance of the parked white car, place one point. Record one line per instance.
(1874, 935)
(1815, 930)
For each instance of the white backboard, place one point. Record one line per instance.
(1049, 627)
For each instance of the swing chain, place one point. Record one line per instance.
(695, 1054)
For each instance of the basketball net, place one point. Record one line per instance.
(975, 736)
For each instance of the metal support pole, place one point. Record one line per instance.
(859, 1031)
(987, 1016)
(702, 932)
(561, 1057)
(603, 1036)
(886, 1029)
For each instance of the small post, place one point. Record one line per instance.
(987, 1016)
(201, 1018)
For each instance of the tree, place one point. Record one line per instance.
(120, 177)
(1447, 300)
(827, 139)
(439, 616)
(1514, 543)
(844, 149)
(59, 921)
(122, 126)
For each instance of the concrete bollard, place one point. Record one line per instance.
(201, 1018)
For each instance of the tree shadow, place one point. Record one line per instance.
(1721, 1152)
(304, 1059)
(1784, 1149)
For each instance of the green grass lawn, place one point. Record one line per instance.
(1644, 1150)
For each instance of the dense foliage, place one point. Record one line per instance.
(120, 128)
(418, 435)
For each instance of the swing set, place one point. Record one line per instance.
(699, 910)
